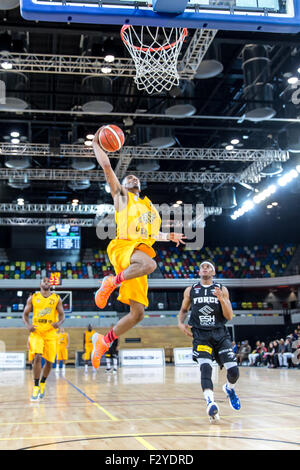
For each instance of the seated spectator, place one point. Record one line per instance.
(261, 359)
(234, 347)
(254, 355)
(280, 352)
(295, 335)
(287, 352)
(244, 352)
(270, 354)
(276, 346)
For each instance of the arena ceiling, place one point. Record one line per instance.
(57, 112)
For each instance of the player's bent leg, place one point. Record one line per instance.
(46, 371)
(141, 264)
(101, 343)
(36, 367)
(135, 316)
(206, 376)
(207, 386)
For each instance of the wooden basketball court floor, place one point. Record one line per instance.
(149, 409)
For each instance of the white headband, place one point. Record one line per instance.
(210, 264)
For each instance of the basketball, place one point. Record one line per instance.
(111, 138)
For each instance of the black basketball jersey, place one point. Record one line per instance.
(206, 310)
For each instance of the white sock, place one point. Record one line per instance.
(208, 395)
(230, 386)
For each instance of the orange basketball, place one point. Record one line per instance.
(111, 138)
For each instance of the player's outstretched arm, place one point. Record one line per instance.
(185, 306)
(103, 160)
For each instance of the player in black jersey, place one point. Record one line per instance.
(210, 309)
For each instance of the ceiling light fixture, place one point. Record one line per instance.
(15, 134)
(109, 58)
(293, 80)
(106, 70)
(7, 65)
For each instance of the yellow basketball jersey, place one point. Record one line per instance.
(62, 339)
(138, 221)
(44, 311)
(88, 337)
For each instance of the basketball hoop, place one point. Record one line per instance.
(155, 52)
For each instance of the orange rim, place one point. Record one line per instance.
(138, 48)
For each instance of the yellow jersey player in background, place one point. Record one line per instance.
(48, 315)
(62, 349)
(130, 253)
(87, 346)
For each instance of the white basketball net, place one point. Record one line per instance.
(155, 52)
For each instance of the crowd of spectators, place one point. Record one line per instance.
(277, 353)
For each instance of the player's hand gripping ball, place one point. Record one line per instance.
(111, 138)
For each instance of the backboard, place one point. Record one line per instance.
(281, 16)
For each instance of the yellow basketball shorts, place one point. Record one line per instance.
(44, 343)
(88, 351)
(62, 353)
(119, 253)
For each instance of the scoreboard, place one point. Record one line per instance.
(55, 279)
(63, 237)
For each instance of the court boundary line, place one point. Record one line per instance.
(142, 435)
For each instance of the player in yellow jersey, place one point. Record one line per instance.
(48, 315)
(130, 253)
(62, 349)
(87, 345)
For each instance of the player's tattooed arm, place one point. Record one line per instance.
(185, 306)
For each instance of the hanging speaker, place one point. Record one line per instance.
(293, 138)
(226, 197)
(54, 141)
(258, 91)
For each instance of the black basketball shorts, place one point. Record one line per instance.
(214, 344)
